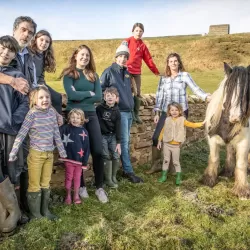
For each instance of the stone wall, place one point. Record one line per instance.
(219, 30)
(141, 135)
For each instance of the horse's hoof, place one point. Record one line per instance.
(243, 192)
(209, 180)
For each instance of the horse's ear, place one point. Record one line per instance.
(227, 69)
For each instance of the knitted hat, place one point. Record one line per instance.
(122, 49)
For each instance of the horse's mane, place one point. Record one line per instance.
(215, 107)
(239, 78)
(236, 83)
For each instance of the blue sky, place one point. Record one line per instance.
(92, 19)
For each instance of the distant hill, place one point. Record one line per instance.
(200, 54)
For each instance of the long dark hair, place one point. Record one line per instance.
(49, 58)
(167, 68)
(89, 71)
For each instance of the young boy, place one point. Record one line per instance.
(110, 122)
(118, 76)
(14, 107)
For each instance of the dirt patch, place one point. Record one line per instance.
(73, 241)
(210, 209)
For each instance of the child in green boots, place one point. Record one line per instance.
(110, 122)
(173, 135)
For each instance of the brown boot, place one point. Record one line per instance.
(9, 201)
(3, 215)
(156, 159)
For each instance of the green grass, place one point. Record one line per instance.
(208, 81)
(203, 57)
(148, 216)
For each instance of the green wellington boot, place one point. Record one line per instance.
(115, 168)
(133, 117)
(156, 159)
(108, 174)
(34, 203)
(178, 178)
(137, 101)
(163, 177)
(45, 205)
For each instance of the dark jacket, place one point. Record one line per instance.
(27, 68)
(13, 105)
(76, 143)
(115, 76)
(109, 120)
(56, 98)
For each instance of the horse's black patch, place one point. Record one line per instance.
(223, 129)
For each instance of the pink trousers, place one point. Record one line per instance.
(72, 172)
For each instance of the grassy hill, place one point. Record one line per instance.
(203, 57)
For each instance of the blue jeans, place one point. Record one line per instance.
(108, 147)
(126, 122)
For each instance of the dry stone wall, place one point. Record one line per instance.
(141, 134)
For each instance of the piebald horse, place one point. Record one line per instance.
(227, 123)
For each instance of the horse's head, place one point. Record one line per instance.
(236, 101)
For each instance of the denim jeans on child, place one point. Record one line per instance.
(126, 122)
(108, 147)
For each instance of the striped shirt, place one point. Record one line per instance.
(42, 127)
(174, 90)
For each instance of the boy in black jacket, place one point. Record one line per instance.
(13, 106)
(110, 122)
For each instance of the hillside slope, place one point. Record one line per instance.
(202, 56)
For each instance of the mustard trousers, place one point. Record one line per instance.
(40, 166)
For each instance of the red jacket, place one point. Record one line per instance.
(138, 51)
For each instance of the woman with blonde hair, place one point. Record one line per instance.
(82, 86)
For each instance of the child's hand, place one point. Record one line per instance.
(118, 149)
(12, 158)
(85, 167)
(204, 122)
(59, 120)
(63, 155)
(159, 145)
